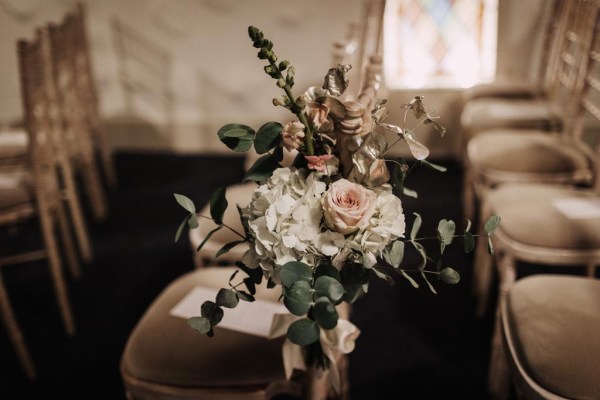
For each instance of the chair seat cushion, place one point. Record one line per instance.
(506, 88)
(13, 143)
(488, 113)
(553, 323)
(164, 349)
(15, 190)
(529, 152)
(530, 217)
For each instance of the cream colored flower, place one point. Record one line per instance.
(293, 135)
(348, 206)
(317, 113)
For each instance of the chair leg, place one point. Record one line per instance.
(590, 270)
(483, 268)
(95, 192)
(14, 333)
(56, 270)
(67, 241)
(499, 374)
(79, 224)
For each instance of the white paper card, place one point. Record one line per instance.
(574, 208)
(252, 318)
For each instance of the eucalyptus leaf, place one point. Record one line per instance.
(490, 246)
(233, 275)
(208, 235)
(298, 298)
(294, 271)
(354, 276)
(468, 228)
(328, 270)
(193, 221)
(185, 202)
(262, 169)
(218, 205)
(303, 332)
(329, 287)
(227, 298)
(181, 226)
(200, 324)
(449, 276)
(446, 230)
(428, 283)
(268, 137)
(416, 226)
(383, 275)
(237, 137)
(227, 247)
(419, 247)
(491, 224)
(394, 253)
(212, 311)
(410, 279)
(255, 273)
(325, 313)
(244, 296)
(468, 242)
(250, 285)
(410, 193)
(433, 166)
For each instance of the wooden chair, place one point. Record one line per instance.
(533, 230)
(526, 155)
(548, 326)
(164, 358)
(21, 202)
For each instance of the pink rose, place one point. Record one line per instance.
(317, 113)
(293, 135)
(348, 206)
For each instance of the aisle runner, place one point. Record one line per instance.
(253, 318)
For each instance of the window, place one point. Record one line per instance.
(440, 43)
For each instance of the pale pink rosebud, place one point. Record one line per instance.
(293, 135)
(318, 163)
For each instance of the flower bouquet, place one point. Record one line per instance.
(318, 230)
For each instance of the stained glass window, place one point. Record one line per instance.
(440, 43)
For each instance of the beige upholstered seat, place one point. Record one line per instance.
(13, 147)
(549, 326)
(165, 358)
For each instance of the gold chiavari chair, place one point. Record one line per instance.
(530, 155)
(535, 227)
(548, 325)
(41, 196)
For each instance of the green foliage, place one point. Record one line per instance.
(212, 312)
(181, 226)
(298, 298)
(394, 254)
(268, 137)
(325, 313)
(185, 202)
(419, 247)
(237, 137)
(200, 324)
(468, 242)
(218, 205)
(490, 246)
(428, 283)
(449, 276)
(491, 224)
(416, 226)
(227, 298)
(327, 270)
(208, 235)
(433, 166)
(294, 271)
(225, 249)
(255, 274)
(244, 296)
(446, 230)
(329, 287)
(354, 277)
(303, 332)
(263, 167)
(409, 279)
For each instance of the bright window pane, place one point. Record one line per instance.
(440, 43)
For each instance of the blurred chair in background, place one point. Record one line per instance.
(548, 326)
(527, 155)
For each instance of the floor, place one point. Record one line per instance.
(414, 344)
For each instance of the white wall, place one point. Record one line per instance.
(216, 77)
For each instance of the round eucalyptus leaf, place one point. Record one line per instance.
(449, 276)
(303, 332)
(200, 324)
(298, 299)
(325, 313)
(227, 298)
(268, 137)
(294, 271)
(213, 312)
(328, 270)
(329, 287)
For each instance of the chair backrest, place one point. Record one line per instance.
(371, 41)
(41, 114)
(576, 34)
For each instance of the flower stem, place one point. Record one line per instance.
(226, 226)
